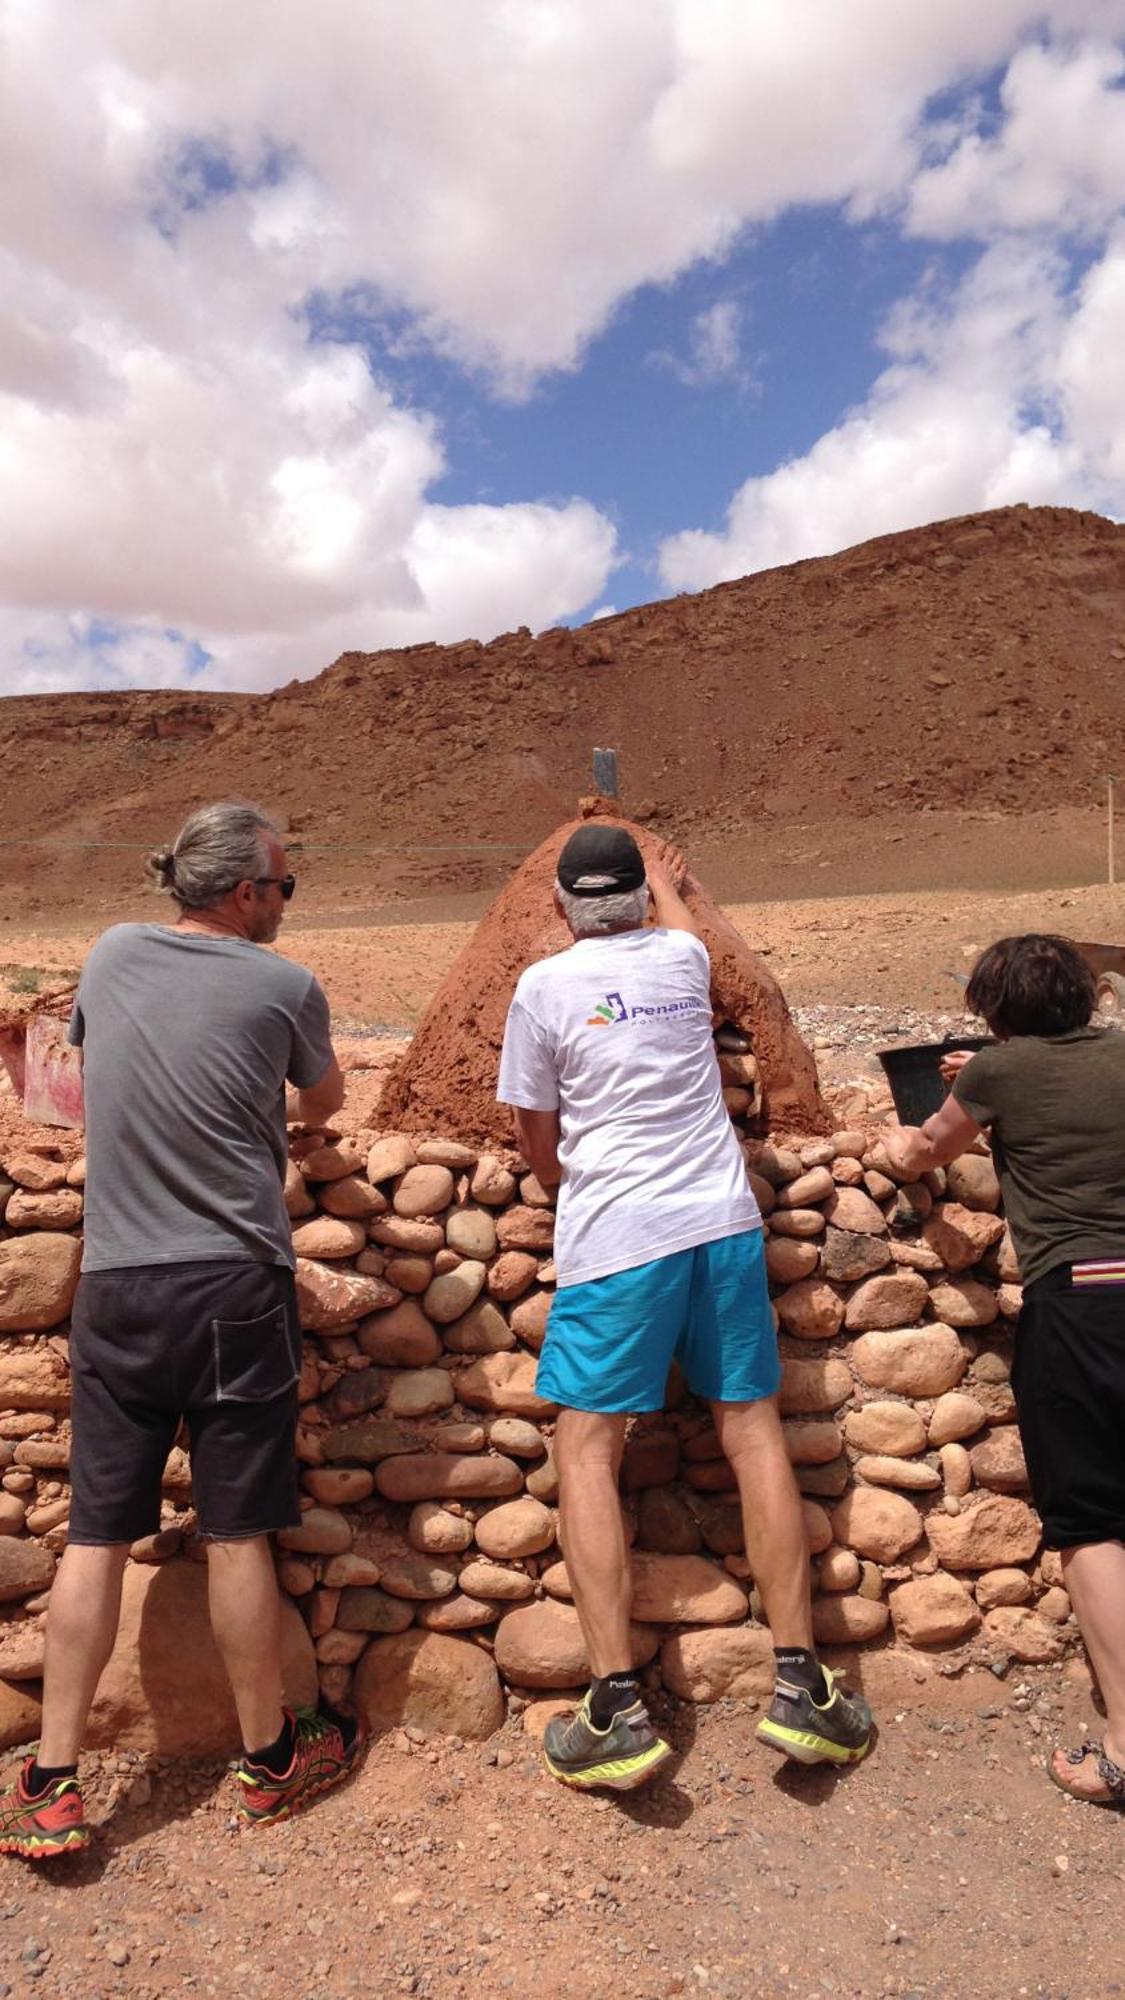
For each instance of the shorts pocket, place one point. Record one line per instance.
(255, 1359)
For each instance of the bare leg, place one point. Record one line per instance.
(588, 1455)
(246, 1620)
(1095, 1577)
(81, 1628)
(772, 1522)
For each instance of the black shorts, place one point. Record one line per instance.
(1069, 1380)
(218, 1345)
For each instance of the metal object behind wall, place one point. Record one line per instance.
(605, 773)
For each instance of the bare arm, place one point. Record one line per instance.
(317, 1105)
(538, 1135)
(666, 877)
(914, 1149)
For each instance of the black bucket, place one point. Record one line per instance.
(915, 1077)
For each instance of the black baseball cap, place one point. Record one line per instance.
(601, 860)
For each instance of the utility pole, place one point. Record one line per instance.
(605, 774)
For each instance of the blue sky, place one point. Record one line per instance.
(385, 326)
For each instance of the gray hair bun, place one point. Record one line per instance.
(160, 868)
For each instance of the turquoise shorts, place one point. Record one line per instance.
(611, 1342)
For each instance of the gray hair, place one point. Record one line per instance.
(593, 916)
(214, 849)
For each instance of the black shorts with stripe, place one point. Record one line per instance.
(1069, 1381)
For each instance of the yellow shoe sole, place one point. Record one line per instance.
(806, 1748)
(622, 1774)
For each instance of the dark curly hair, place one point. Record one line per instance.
(1032, 985)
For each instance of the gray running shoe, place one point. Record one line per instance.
(622, 1756)
(836, 1731)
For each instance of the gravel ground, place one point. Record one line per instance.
(945, 1866)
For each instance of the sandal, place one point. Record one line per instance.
(1111, 1775)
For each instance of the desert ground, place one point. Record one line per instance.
(947, 1866)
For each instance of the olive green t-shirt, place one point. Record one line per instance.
(1055, 1109)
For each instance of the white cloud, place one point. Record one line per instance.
(175, 185)
(1012, 386)
(714, 352)
(1057, 162)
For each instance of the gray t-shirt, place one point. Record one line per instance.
(187, 1043)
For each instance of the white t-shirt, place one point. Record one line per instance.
(615, 1034)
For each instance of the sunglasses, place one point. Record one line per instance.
(286, 883)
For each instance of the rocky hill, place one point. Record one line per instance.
(976, 661)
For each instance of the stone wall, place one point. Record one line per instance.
(427, 1568)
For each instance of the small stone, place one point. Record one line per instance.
(893, 1300)
(811, 1310)
(38, 1279)
(423, 1191)
(847, 1256)
(997, 1532)
(511, 1274)
(888, 1428)
(400, 1337)
(876, 1523)
(329, 1298)
(809, 1387)
(390, 1156)
(472, 1233)
(453, 1293)
(955, 1415)
(517, 1437)
(933, 1611)
(838, 1569)
(713, 1664)
(912, 1361)
(852, 1210)
(964, 1302)
(322, 1532)
(973, 1181)
(445, 1686)
(495, 1583)
(1002, 1586)
(956, 1470)
(846, 1620)
(815, 1186)
(446, 1476)
(961, 1235)
(524, 1228)
(789, 1258)
(998, 1461)
(1024, 1634)
(329, 1236)
(492, 1183)
(419, 1392)
(515, 1528)
(435, 1531)
(912, 1474)
(504, 1383)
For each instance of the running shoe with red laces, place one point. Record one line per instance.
(326, 1748)
(39, 1825)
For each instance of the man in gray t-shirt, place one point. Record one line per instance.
(186, 1307)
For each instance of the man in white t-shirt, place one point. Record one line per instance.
(609, 1062)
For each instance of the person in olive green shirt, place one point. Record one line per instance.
(1051, 1095)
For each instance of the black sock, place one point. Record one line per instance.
(802, 1669)
(276, 1757)
(609, 1694)
(39, 1776)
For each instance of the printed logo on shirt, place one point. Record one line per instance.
(609, 1011)
(613, 1009)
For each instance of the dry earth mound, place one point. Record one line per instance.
(976, 660)
(447, 1078)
